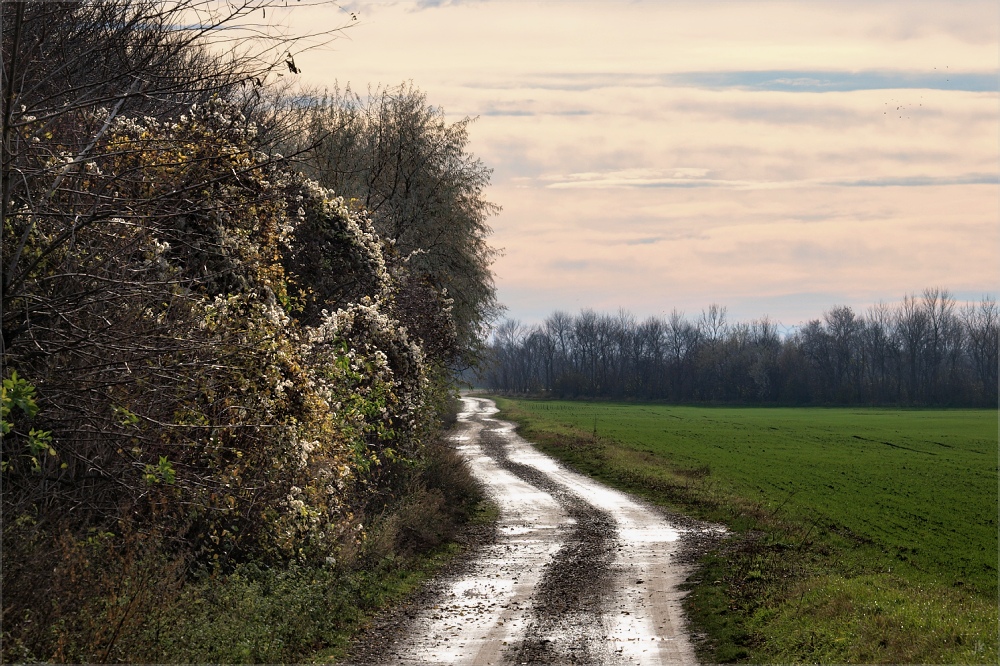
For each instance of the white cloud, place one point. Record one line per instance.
(646, 178)
(651, 154)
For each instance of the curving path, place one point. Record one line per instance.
(580, 573)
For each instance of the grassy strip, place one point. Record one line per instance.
(294, 614)
(287, 616)
(297, 615)
(803, 579)
(139, 603)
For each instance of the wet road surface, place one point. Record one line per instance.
(578, 574)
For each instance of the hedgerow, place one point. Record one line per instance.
(216, 366)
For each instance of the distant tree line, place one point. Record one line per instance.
(927, 350)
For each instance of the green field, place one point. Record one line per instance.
(858, 507)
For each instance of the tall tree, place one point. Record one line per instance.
(395, 155)
(982, 321)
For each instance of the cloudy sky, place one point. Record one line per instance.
(777, 158)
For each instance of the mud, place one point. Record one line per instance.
(576, 585)
(574, 572)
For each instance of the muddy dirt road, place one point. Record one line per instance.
(578, 573)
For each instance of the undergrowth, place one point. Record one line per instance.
(137, 602)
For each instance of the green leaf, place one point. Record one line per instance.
(16, 392)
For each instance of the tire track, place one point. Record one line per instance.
(572, 596)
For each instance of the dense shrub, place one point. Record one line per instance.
(221, 385)
(212, 391)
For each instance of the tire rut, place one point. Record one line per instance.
(572, 598)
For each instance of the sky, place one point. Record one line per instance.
(775, 158)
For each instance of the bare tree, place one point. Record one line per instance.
(922, 351)
(981, 321)
(881, 352)
(843, 328)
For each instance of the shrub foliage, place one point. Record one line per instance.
(211, 363)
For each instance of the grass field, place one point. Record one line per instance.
(862, 535)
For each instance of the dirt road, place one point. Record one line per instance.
(579, 573)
